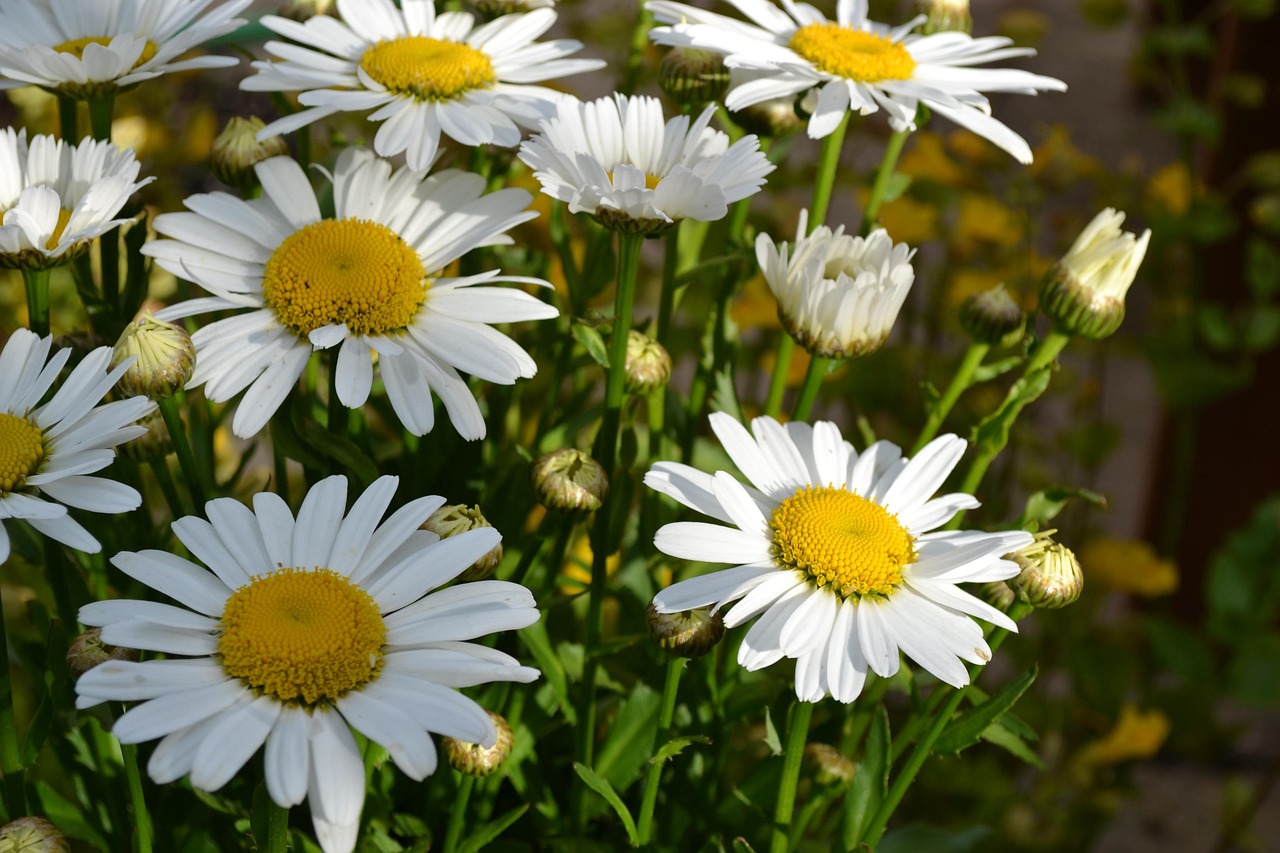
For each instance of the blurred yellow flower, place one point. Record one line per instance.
(928, 160)
(1135, 736)
(575, 574)
(975, 149)
(910, 221)
(1128, 565)
(1170, 188)
(969, 281)
(1060, 161)
(982, 219)
(755, 306)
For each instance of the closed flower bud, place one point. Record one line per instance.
(992, 317)
(154, 445)
(829, 765)
(473, 759)
(693, 77)
(32, 835)
(237, 149)
(689, 634)
(1084, 292)
(165, 359)
(1050, 576)
(495, 8)
(945, 16)
(997, 594)
(452, 519)
(570, 480)
(648, 366)
(87, 651)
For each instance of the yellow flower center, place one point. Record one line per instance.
(64, 216)
(21, 451)
(650, 181)
(428, 69)
(344, 271)
(76, 47)
(865, 57)
(851, 545)
(302, 636)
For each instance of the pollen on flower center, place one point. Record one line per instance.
(650, 181)
(851, 545)
(76, 47)
(21, 451)
(857, 55)
(344, 271)
(302, 636)
(428, 69)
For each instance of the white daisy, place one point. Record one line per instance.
(1084, 292)
(837, 295)
(367, 279)
(298, 632)
(96, 49)
(835, 555)
(56, 198)
(616, 159)
(856, 64)
(47, 451)
(423, 74)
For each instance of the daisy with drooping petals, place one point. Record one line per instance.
(616, 159)
(367, 280)
(91, 50)
(48, 451)
(856, 64)
(421, 73)
(839, 555)
(837, 295)
(56, 198)
(300, 630)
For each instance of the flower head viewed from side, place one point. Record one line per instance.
(837, 295)
(616, 159)
(838, 554)
(47, 452)
(367, 279)
(421, 73)
(856, 64)
(57, 197)
(93, 50)
(1084, 292)
(300, 630)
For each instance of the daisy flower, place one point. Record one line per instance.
(47, 452)
(57, 198)
(616, 159)
(837, 295)
(92, 50)
(300, 630)
(838, 554)
(856, 64)
(421, 73)
(368, 279)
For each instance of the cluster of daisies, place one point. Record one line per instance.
(291, 631)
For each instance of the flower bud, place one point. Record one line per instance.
(452, 519)
(1084, 292)
(688, 634)
(945, 16)
(992, 317)
(165, 360)
(1050, 576)
(997, 594)
(154, 445)
(87, 651)
(32, 835)
(692, 77)
(828, 765)
(648, 366)
(772, 118)
(496, 8)
(237, 149)
(476, 760)
(570, 480)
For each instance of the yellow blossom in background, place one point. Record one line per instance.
(1128, 565)
(928, 160)
(966, 282)
(910, 221)
(1137, 735)
(1170, 188)
(1060, 161)
(976, 150)
(982, 219)
(575, 574)
(755, 306)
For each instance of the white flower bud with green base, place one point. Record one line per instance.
(237, 150)
(570, 481)
(165, 358)
(692, 77)
(32, 835)
(452, 519)
(992, 317)
(1050, 576)
(1084, 292)
(476, 759)
(686, 634)
(648, 365)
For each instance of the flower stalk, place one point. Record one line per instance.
(797, 734)
(960, 383)
(666, 713)
(37, 283)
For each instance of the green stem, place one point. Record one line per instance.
(37, 282)
(160, 468)
(796, 736)
(15, 789)
(68, 120)
(901, 782)
(458, 814)
(644, 826)
(186, 460)
(100, 111)
(818, 367)
(277, 840)
(667, 299)
(881, 185)
(635, 55)
(778, 381)
(826, 179)
(142, 829)
(959, 384)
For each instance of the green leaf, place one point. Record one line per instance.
(1189, 118)
(992, 369)
(535, 639)
(675, 746)
(1261, 328)
(870, 782)
(68, 817)
(340, 449)
(1181, 41)
(285, 437)
(993, 431)
(627, 748)
(592, 341)
(1254, 675)
(771, 738)
(601, 786)
(915, 838)
(1007, 740)
(965, 730)
(725, 397)
(1181, 651)
(741, 845)
(1043, 506)
(486, 833)
(1216, 327)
